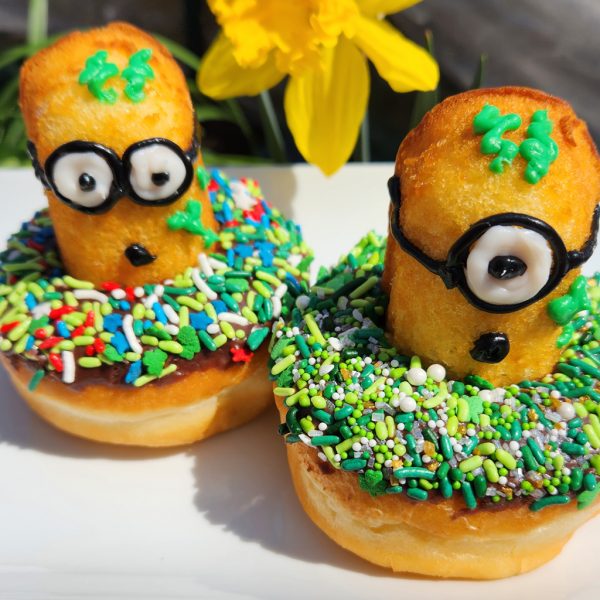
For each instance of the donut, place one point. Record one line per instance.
(136, 308)
(439, 464)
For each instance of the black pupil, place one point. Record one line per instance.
(506, 267)
(86, 182)
(160, 178)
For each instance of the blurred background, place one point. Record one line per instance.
(547, 44)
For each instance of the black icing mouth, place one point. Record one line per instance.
(491, 347)
(139, 256)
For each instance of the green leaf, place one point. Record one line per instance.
(425, 101)
(215, 159)
(37, 21)
(214, 112)
(479, 73)
(182, 54)
(271, 127)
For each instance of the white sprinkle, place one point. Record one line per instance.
(202, 285)
(171, 314)
(322, 426)
(172, 329)
(130, 336)
(150, 301)
(118, 294)
(159, 290)
(240, 196)
(213, 328)
(205, 265)
(408, 404)
(233, 318)
(216, 264)
(68, 359)
(335, 343)
(280, 290)
(302, 302)
(436, 372)
(357, 315)
(566, 411)
(326, 369)
(276, 302)
(416, 376)
(90, 295)
(138, 292)
(40, 310)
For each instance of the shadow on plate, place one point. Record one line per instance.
(20, 427)
(243, 485)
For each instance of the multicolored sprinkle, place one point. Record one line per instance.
(407, 429)
(64, 325)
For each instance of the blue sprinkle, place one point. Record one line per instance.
(112, 322)
(218, 178)
(230, 257)
(30, 301)
(227, 214)
(266, 207)
(200, 321)
(265, 252)
(244, 250)
(62, 329)
(292, 283)
(148, 324)
(219, 305)
(135, 370)
(265, 221)
(119, 341)
(160, 313)
(124, 305)
(29, 343)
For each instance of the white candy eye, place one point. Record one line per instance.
(84, 178)
(157, 172)
(508, 265)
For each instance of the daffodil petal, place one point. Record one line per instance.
(372, 8)
(220, 76)
(325, 107)
(403, 64)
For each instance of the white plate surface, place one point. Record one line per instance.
(219, 519)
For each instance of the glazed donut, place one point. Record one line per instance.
(137, 308)
(426, 465)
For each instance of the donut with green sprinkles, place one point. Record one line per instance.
(406, 428)
(69, 329)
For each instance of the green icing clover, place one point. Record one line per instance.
(136, 73)
(190, 221)
(372, 482)
(562, 310)
(154, 361)
(493, 125)
(584, 499)
(95, 74)
(539, 149)
(189, 340)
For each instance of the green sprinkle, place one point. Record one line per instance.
(549, 501)
(89, 362)
(35, 380)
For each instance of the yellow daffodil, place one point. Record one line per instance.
(323, 46)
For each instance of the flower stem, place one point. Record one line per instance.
(364, 145)
(274, 137)
(37, 21)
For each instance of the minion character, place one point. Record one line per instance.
(493, 211)
(113, 138)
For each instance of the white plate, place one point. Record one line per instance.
(219, 519)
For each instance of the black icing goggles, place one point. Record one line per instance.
(91, 178)
(502, 263)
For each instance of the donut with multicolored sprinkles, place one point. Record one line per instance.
(210, 322)
(371, 433)
(440, 389)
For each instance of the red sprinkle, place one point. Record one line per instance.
(40, 334)
(8, 326)
(78, 331)
(50, 342)
(241, 354)
(89, 320)
(35, 245)
(213, 186)
(99, 346)
(109, 286)
(56, 361)
(57, 313)
(90, 350)
(129, 293)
